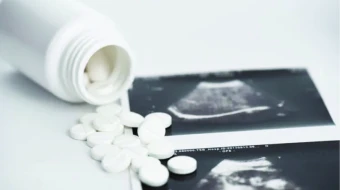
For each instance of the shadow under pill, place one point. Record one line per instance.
(177, 177)
(146, 187)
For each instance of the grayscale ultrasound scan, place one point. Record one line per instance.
(295, 166)
(232, 101)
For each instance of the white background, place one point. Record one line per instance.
(167, 37)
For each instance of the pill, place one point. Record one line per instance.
(98, 67)
(182, 165)
(137, 163)
(86, 79)
(100, 138)
(81, 131)
(100, 88)
(88, 118)
(137, 151)
(116, 162)
(128, 140)
(161, 149)
(99, 151)
(165, 118)
(102, 123)
(154, 175)
(131, 119)
(109, 110)
(119, 130)
(150, 130)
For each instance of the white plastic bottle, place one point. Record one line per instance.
(52, 41)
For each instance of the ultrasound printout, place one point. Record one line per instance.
(296, 166)
(232, 101)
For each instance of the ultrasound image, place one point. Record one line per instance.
(232, 101)
(295, 166)
(256, 174)
(218, 100)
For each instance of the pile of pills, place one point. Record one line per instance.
(103, 131)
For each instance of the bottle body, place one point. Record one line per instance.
(51, 43)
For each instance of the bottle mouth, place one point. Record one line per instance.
(119, 78)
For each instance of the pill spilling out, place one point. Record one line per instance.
(99, 151)
(154, 175)
(116, 162)
(99, 138)
(164, 117)
(182, 165)
(134, 154)
(102, 123)
(131, 119)
(137, 163)
(109, 110)
(88, 118)
(104, 133)
(150, 130)
(161, 149)
(125, 141)
(81, 131)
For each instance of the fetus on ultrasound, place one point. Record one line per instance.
(256, 174)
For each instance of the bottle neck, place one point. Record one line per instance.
(77, 56)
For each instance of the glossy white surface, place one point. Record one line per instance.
(126, 141)
(137, 163)
(131, 119)
(109, 110)
(216, 35)
(154, 175)
(166, 118)
(81, 131)
(161, 149)
(103, 123)
(99, 138)
(150, 130)
(98, 152)
(116, 162)
(182, 165)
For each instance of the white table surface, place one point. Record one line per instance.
(167, 37)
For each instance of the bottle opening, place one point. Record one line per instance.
(106, 76)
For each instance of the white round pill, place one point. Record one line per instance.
(100, 138)
(109, 110)
(131, 119)
(116, 162)
(137, 151)
(150, 130)
(125, 141)
(154, 175)
(99, 151)
(100, 88)
(81, 131)
(161, 149)
(164, 117)
(88, 118)
(102, 123)
(98, 67)
(138, 162)
(182, 165)
(119, 130)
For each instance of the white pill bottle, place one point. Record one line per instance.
(52, 41)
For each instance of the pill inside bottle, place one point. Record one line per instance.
(105, 73)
